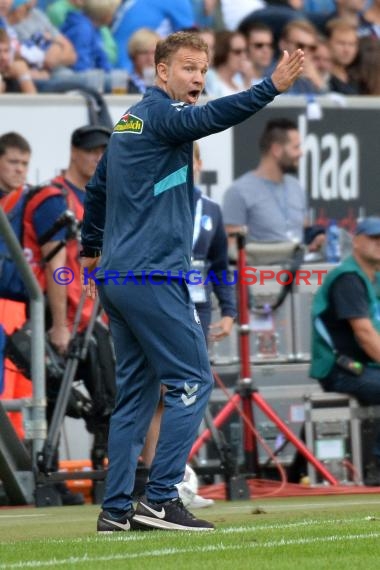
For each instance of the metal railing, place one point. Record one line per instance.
(37, 427)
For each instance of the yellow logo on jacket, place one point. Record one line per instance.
(129, 124)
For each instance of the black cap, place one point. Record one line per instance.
(90, 136)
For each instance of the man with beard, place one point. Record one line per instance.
(269, 200)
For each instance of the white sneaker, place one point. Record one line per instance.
(199, 502)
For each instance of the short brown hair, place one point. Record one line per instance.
(339, 25)
(14, 140)
(247, 28)
(174, 42)
(223, 40)
(302, 25)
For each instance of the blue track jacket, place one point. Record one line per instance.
(139, 205)
(211, 247)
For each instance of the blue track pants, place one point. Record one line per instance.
(158, 341)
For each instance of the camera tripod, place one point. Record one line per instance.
(46, 493)
(247, 394)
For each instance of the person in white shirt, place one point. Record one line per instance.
(230, 62)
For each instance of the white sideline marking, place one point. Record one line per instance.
(21, 516)
(273, 507)
(140, 536)
(54, 562)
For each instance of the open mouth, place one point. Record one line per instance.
(194, 94)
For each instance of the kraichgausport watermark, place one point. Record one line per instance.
(248, 276)
(63, 275)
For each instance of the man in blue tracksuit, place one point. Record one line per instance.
(210, 262)
(139, 212)
(208, 275)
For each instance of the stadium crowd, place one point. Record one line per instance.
(108, 45)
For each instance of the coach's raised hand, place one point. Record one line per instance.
(288, 70)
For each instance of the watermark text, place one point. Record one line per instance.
(248, 276)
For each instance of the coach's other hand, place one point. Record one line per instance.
(288, 70)
(89, 287)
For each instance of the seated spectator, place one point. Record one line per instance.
(275, 15)
(234, 12)
(208, 35)
(42, 45)
(58, 11)
(230, 62)
(346, 328)
(159, 15)
(270, 200)
(141, 49)
(260, 52)
(15, 74)
(369, 24)
(301, 34)
(366, 70)
(319, 6)
(82, 28)
(322, 60)
(205, 12)
(349, 10)
(278, 13)
(343, 42)
(5, 8)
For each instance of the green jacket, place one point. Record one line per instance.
(323, 357)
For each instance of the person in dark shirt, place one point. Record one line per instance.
(139, 216)
(344, 44)
(346, 326)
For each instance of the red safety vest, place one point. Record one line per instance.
(74, 289)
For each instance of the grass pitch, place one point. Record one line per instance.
(270, 534)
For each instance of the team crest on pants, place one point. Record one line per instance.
(196, 317)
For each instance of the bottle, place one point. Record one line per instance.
(333, 243)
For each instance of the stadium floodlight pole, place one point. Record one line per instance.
(247, 394)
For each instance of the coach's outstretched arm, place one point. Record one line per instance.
(188, 122)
